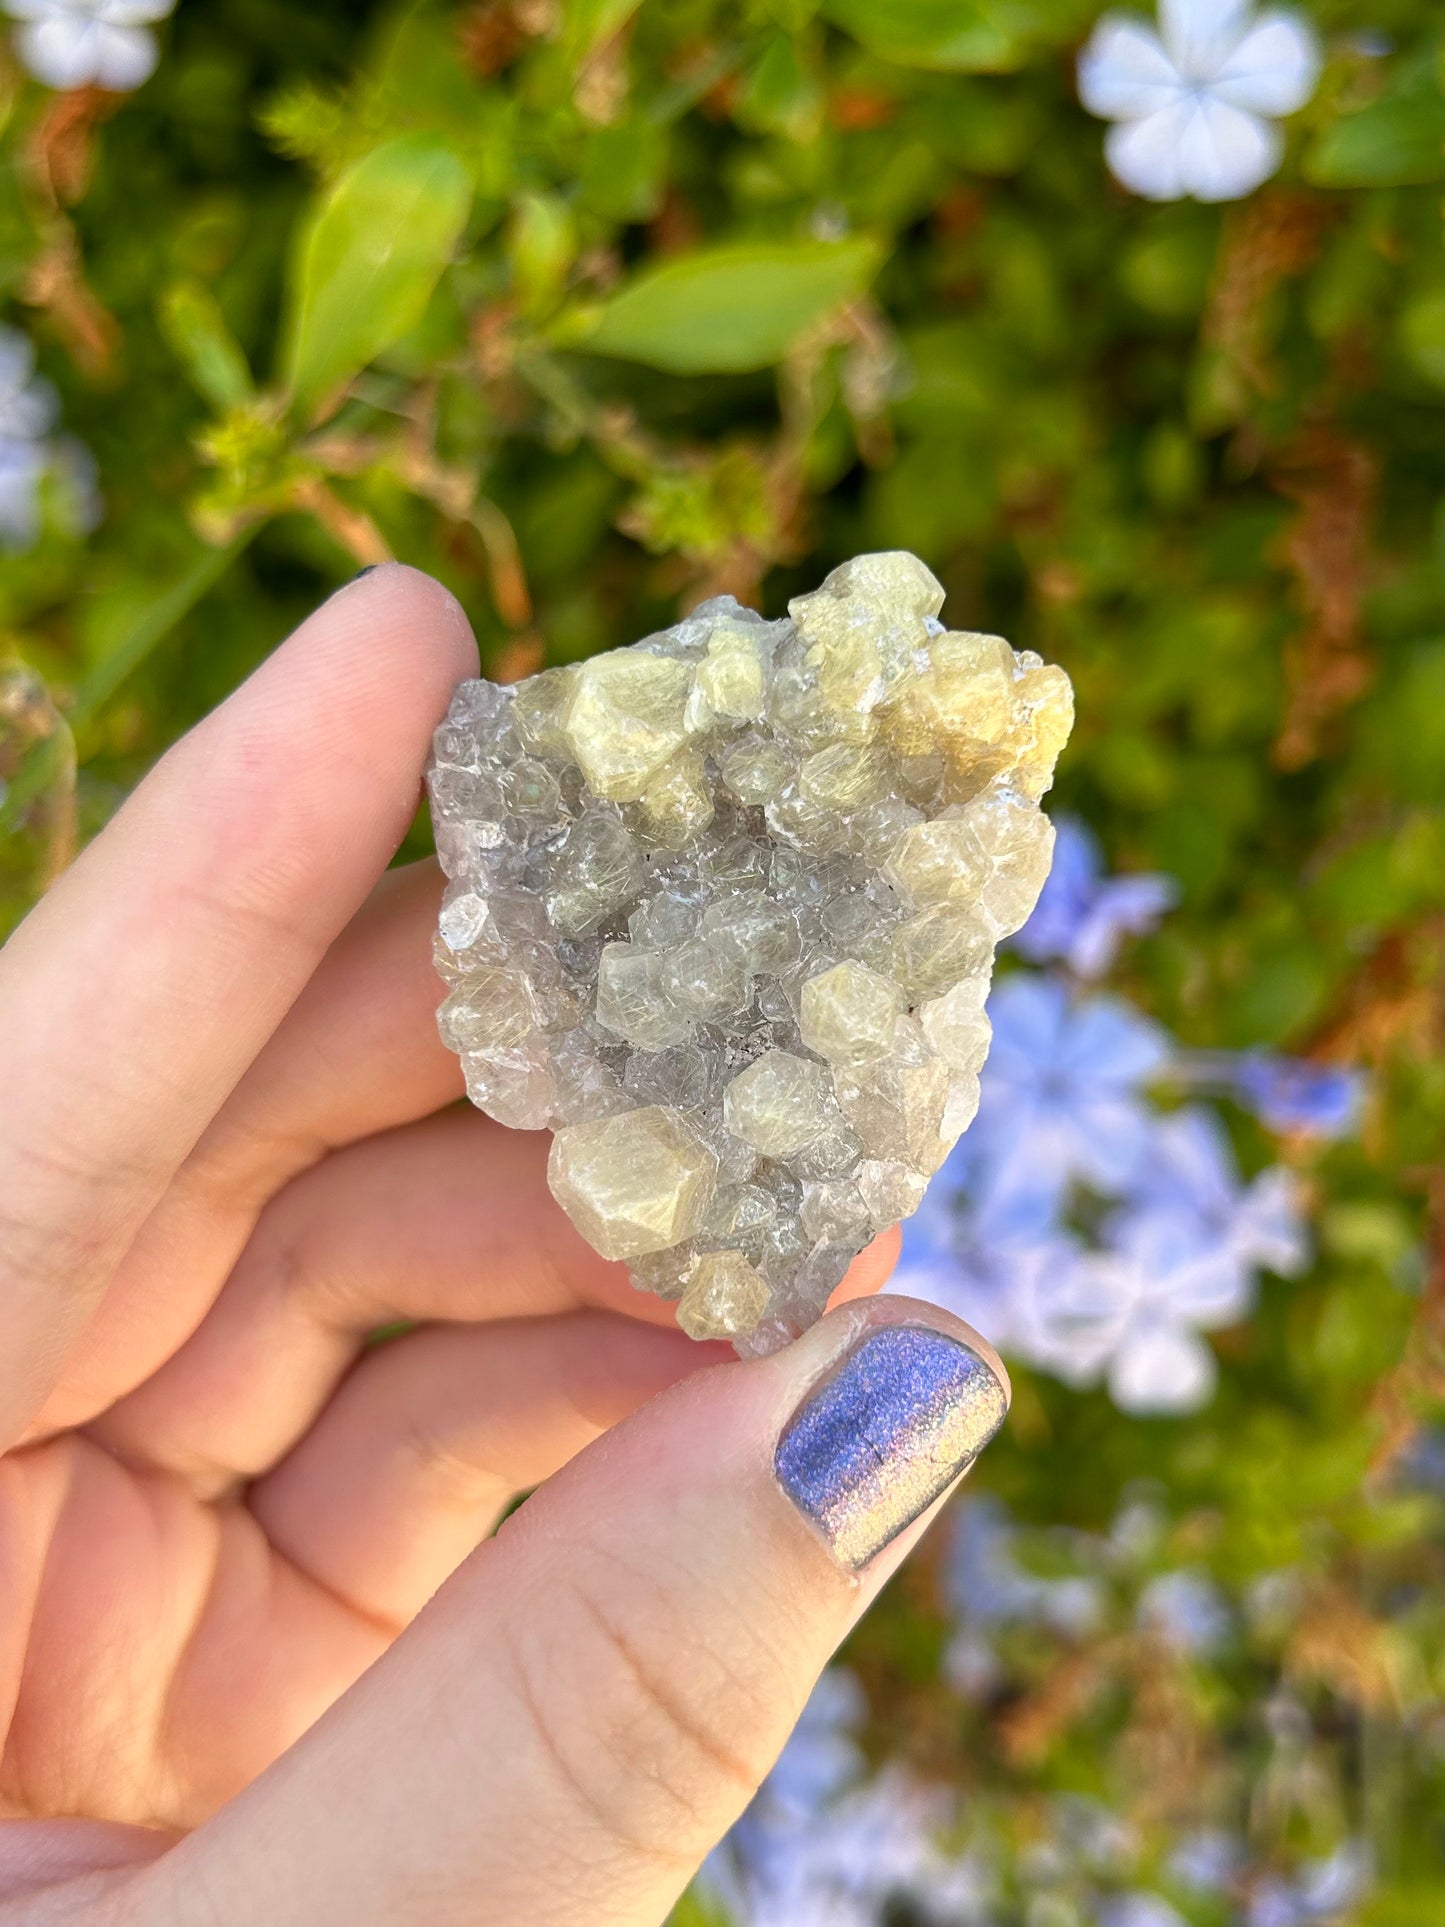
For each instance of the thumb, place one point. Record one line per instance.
(593, 1698)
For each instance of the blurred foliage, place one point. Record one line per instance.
(594, 309)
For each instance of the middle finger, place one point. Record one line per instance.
(449, 1219)
(446, 1219)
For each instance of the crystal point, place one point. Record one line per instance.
(721, 912)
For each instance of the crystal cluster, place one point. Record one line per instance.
(721, 912)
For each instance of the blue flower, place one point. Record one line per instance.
(989, 1587)
(1130, 1315)
(1187, 1611)
(1142, 1909)
(1190, 1176)
(1189, 1241)
(1082, 916)
(1320, 1894)
(985, 1269)
(1287, 1094)
(1062, 1098)
(1209, 1860)
(27, 414)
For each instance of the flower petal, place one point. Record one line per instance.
(1270, 1228)
(1144, 154)
(60, 51)
(17, 360)
(1027, 1014)
(1109, 1042)
(1225, 153)
(133, 13)
(1162, 1369)
(1124, 72)
(1274, 68)
(21, 467)
(126, 57)
(1201, 34)
(1191, 1165)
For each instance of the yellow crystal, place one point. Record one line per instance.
(850, 1013)
(939, 862)
(626, 716)
(778, 1104)
(936, 949)
(491, 1009)
(632, 1183)
(956, 1027)
(539, 709)
(731, 680)
(725, 1296)
(677, 802)
(846, 777)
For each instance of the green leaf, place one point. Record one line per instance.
(1396, 142)
(731, 308)
(623, 170)
(782, 94)
(589, 22)
(196, 330)
(695, 1910)
(1422, 335)
(161, 612)
(369, 261)
(948, 36)
(541, 245)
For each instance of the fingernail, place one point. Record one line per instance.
(874, 1445)
(366, 571)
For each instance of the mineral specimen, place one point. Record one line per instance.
(721, 913)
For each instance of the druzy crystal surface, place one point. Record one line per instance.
(721, 913)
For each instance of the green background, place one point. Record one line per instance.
(593, 310)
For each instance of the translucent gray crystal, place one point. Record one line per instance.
(721, 913)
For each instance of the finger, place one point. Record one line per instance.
(432, 1437)
(448, 1219)
(592, 1699)
(76, 1865)
(137, 993)
(357, 1053)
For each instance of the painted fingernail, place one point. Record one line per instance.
(891, 1428)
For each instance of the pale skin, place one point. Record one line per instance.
(263, 1656)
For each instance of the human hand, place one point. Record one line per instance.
(229, 1152)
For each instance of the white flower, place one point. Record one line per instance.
(88, 43)
(1196, 101)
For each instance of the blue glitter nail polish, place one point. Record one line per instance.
(875, 1444)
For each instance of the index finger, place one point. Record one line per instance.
(135, 995)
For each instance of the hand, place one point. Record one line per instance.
(229, 1152)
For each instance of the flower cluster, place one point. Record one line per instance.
(826, 1844)
(88, 43)
(822, 1845)
(1083, 1227)
(1195, 104)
